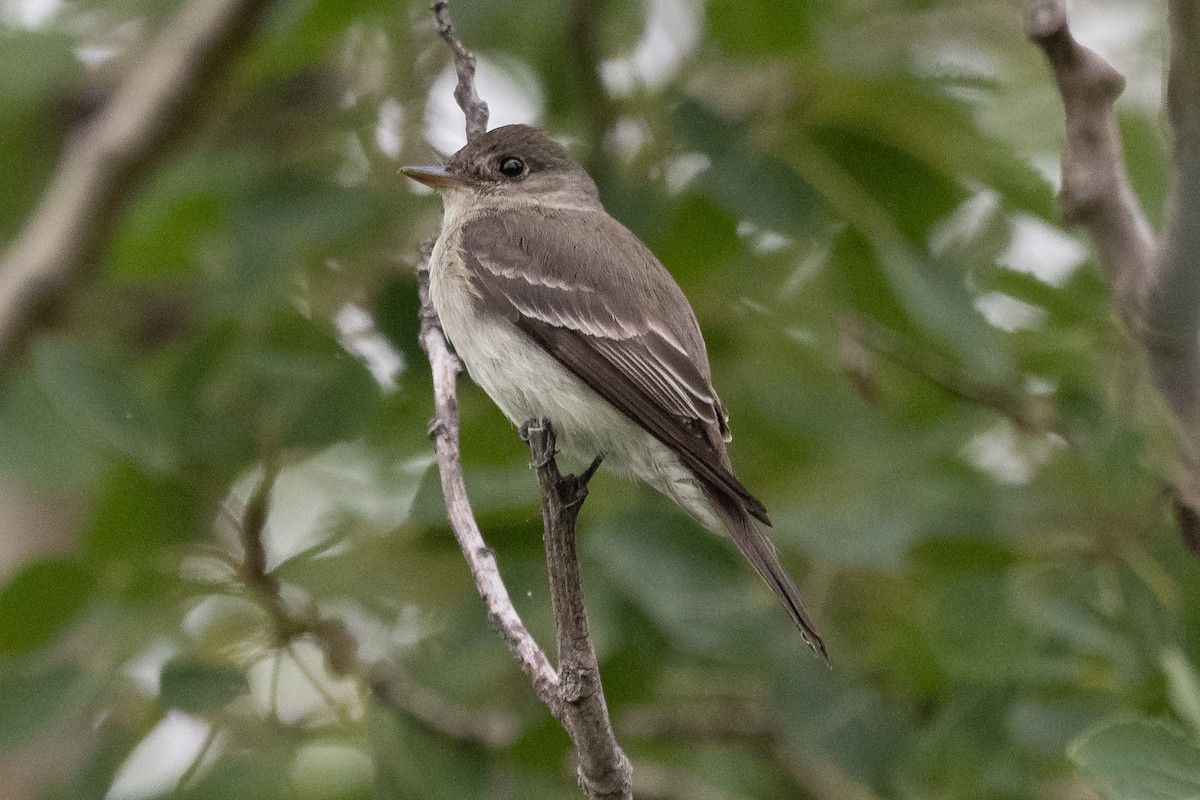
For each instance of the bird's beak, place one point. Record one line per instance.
(437, 177)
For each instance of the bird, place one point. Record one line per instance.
(559, 312)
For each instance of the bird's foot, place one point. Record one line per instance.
(539, 434)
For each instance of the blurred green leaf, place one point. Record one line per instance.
(297, 35)
(316, 392)
(918, 117)
(283, 222)
(972, 630)
(137, 513)
(34, 444)
(196, 686)
(414, 763)
(750, 184)
(1183, 686)
(698, 237)
(759, 28)
(39, 601)
(875, 624)
(1139, 759)
(941, 306)
(32, 698)
(397, 315)
(684, 579)
(333, 771)
(915, 195)
(257, 769)
(103, 401)
(177, 213)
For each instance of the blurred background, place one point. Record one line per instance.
(927, 386)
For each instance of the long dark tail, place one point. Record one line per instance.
(756, 548)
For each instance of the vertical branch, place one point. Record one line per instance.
(604, 770)
(1174, 306)
(1173, 318)
(472, 105)
(1096, 192)
(1155, 285)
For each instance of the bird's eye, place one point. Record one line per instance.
(512, 167)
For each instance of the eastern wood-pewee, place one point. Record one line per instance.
(558, 311)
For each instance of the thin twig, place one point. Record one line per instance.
(61, 245)
(859, 332)
(813, 774)
(193, 769)
(490, 728)
(334, 639)
(472, 105)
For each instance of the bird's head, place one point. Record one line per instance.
(517, 161)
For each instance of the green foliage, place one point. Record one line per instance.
(40, 601)
(196, 687)
(32, 700)
(1138, 758)
(962, 458)
(116, 413)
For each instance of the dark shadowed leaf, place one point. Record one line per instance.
(139, 512)
(750, 184)
(40, 601)
(35, 445)
(196, 686)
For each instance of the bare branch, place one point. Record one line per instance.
(338, 645)
(1173, 312)
(475, 110)
(1096, 192)
(604, 770)
(1156, 288)
(58, 249)
(858, 337)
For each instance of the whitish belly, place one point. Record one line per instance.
(527, 383)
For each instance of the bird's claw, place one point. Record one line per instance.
(539, 434)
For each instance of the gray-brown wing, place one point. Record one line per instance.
(582, 286)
